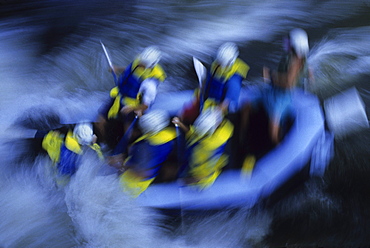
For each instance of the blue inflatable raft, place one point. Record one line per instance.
(305, 151)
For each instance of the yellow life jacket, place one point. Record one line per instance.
(52, 144)
(156, 72)
(159, 138)
(119, 101)
(53, 141)
(72, 144)
(239, 67)
(208, 157)
(133, 184)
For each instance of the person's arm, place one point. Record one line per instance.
(116, 161)
(274, 131)
(138, 109)
(266, 74)
(294, 69)
(118, 69)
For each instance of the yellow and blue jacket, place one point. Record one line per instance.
(224, 83)
(146, 156)
(205, 156)
(64, 151)
(127, 91)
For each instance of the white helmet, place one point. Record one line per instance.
(84, 134)
(227, 54)
(207, 122)
(150, 56)
(299, 42)
(154, 121)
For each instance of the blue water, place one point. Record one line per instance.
(52, 64)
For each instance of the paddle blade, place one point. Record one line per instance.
(107, 55)
(109, 62)
(200, 70)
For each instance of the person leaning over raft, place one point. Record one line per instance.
(135, 92)
(301, 74)
(296, 49)
(65, 146)
(292, 70)
(205, 153)
(147, 153)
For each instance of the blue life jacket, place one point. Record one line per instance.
(64, 151)
(129, 83)
(127, 91)
(146, 157)
(68, 161)
(149, 152)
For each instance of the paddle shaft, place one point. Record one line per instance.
(109, 62)
(123, 143)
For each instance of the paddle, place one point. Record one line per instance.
(180, 151)
(122, 144)
(109, 62)
(181, 169)
(200, 70)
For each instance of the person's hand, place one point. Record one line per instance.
(224, 107)
(139, 112)
(112, 69)
(127, 109)
(116, 161)
(176, 121)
